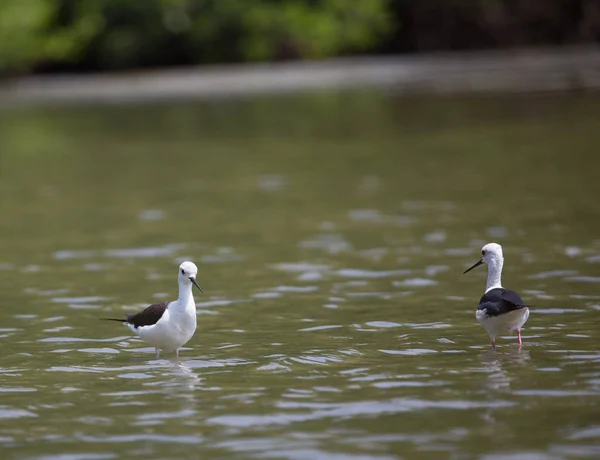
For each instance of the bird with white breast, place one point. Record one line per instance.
(500, 310)
(167, 326)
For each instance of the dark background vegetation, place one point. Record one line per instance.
(108, 35)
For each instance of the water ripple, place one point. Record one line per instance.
(141, 437)
(360, 273)
(362, 408)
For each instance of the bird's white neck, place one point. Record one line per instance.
(494, 274)
(185, 293)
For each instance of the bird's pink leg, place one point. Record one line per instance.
(519, 336)
(493, 344)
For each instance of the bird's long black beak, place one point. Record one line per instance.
(195, 283)
(476, 265)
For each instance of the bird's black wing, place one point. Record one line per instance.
(498, 301)
(147, 317)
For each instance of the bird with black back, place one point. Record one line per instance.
(167, 326)
(500, 310)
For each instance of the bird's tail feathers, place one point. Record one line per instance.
(120, 320)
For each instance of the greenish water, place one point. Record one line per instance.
(331, 231)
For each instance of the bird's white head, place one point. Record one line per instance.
(188, 273)
(491, 253)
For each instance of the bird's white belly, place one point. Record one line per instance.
(171, 332)
(507, 322)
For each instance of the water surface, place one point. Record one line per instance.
(331, 231)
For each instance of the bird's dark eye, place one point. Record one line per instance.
(182, 271)
(482, 253)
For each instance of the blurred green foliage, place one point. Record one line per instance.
(30, 34)
(93, 35)
(116, 34)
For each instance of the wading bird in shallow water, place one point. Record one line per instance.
(500, 310)
(167, 326)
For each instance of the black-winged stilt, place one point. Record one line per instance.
(500, 310)
(167, 326)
